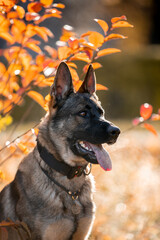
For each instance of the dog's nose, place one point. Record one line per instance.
(113, 131)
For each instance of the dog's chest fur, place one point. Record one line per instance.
(48, 210)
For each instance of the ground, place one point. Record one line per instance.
(127, 198)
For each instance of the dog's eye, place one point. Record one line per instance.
(83, 113)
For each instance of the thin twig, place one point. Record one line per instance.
(18, 137)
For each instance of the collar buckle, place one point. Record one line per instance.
(75, 172)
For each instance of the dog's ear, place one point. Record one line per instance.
(89, 83)
(62, 85)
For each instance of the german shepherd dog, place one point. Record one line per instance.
(52, 189)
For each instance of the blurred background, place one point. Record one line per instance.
(127, 198)
(132, 76)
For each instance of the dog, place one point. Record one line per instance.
(53, 187)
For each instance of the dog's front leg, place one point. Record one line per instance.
(59, 230)
(84, 228)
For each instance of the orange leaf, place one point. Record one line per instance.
(5, 24)
(33, 47)
(35, 7)
(155, 117)
(114, 36)
(40, 59)
(36, 97)
(41, 33)
(2, 177)
(5, 5)
(59, 5)
(71, 64)
(101, 87)
(150, 128)
(89, 45)
(20, 25)
(47, 81)
(103, 25)
(44, 17)
(2, 69)
(116, 19)
(20, 10)
(12, 14)
(74, 74)
(121, 24)
(146, 111)
(81, 57)
(77, 84)
(47, 3)
(22, 147)
(47, 31)
(52, 51)
(107, 51)
(96, 39)
(35, 131)
(95, 65)
(9, 38)
(64, 52)
(87, 34)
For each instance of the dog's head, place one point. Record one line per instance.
(77, 124)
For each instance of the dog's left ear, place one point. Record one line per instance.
(62, 85)
(89, 83)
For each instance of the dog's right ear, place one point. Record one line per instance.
(62, 85)
(89, 83)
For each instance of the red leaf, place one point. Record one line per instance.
(137, 121)
(103, 25)
(146, 111)
(73, 43)
(35, 7)
(150, 128)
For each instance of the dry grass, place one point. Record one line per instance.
(128, 197)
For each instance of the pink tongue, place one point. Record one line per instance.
(102, 156)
